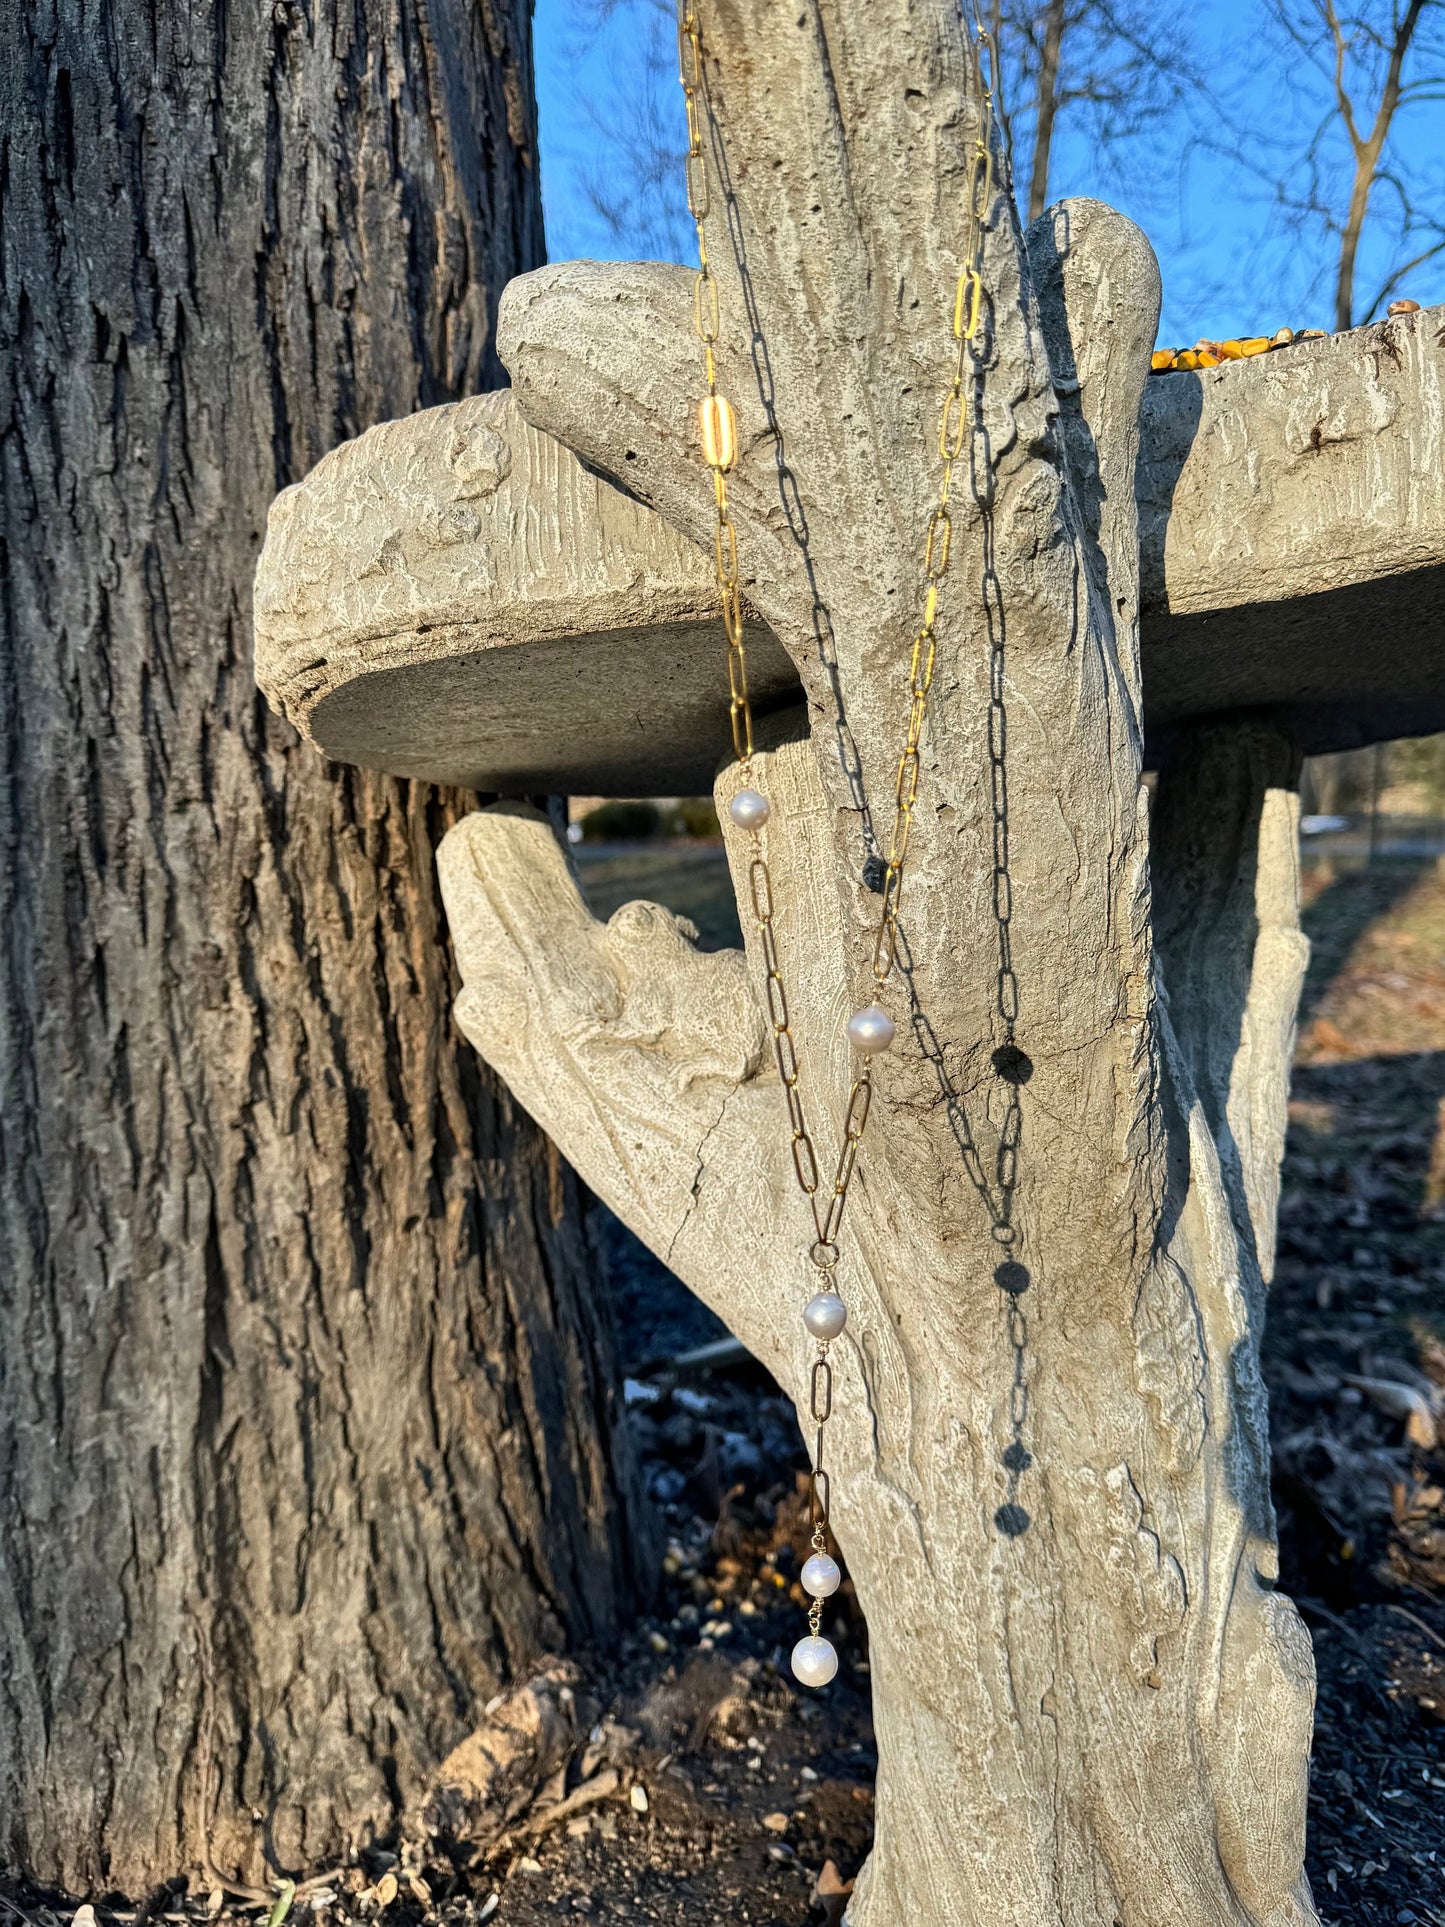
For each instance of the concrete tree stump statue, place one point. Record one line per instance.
(1050, 1476)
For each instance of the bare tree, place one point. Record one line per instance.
(1113, 67)
(632, 174)
(1375, 65)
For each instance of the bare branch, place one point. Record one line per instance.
(1344, 106)
(1364, 54)
(632, 174)
(1397, 279)
(1116, 64)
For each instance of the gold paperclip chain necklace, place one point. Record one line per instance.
(815, 1662)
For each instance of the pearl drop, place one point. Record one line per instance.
(870, 1030)
(814, 1660)
(821, 1577)
(749, 810)
(826, 1315)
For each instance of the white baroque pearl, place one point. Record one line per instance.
(814, 1660)
(821, 1577)
(870, 1030)
(749, 810)
(826, 1315)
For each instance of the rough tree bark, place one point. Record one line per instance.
(307, 1431)
(1050, 1475)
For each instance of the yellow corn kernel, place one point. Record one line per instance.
(1232, 350)
(1186, 358)
(1162, 358)
(1207, 358)
(1254, 344)
(719, 431)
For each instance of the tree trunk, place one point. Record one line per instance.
(308, 1432)
(1366, 151)
(1046, 106)
(1048, 1457)
(1367, 159)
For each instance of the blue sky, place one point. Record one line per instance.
(1231, 264)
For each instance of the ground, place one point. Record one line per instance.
(1356, 1324)
(692, 1782)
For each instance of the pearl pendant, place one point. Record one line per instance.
(749, 810)
(870, 1030)
(826, 1315)
(814, 1660)
(821, 1576)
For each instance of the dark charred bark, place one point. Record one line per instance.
(308, 1434)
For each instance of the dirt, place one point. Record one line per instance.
(1356, 1324)
(728, 1795)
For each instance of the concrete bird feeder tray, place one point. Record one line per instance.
(455, 597)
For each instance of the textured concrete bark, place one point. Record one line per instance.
(307, 1433)
(1049, 1464)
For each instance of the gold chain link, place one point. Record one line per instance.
(718, 421)
(826, 1219)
